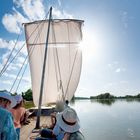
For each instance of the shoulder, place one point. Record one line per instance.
(6, 119)
(4, 112)
(56, 126)
(76, 136)
(56, 129)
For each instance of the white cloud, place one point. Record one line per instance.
(13, 22)
(33, 9)
(27, 79)
(21, 59)
(6, 82)
(124, 82)
(4, 44)
(116, 67)
(59, 2)
(0, 66)
(113, 64)
(61, 14)
(13, 76)
(10, 75)
(8, 46)
(109, 85)
(118, 70)
(124, 18)
(12, 67)
(18, 2)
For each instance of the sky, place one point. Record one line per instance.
(110, 47)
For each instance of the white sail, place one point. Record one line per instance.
(64, 58)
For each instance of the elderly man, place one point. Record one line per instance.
(7, 130)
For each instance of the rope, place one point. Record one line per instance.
(18, 74)
(71, 72)
(12, 60)
(30, 53)
(57, 58)
(59, 72)
(7, 64)
(21, 77)
(3, 69)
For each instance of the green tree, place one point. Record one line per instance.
(27, 95)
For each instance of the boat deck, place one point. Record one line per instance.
(26, 130)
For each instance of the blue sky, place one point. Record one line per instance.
(111, 44)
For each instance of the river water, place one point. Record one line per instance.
(112, 120)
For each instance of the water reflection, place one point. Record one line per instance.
(108, 102)
(104, 101)
(132, 100)
(116, 119)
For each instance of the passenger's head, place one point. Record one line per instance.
(68, 120)
(7, 100)
(19, 101)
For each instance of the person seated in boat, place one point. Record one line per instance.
(7, 129)
(19, 114)
(66, 122)
(60, 106)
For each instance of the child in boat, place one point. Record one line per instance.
(67, 123)
(7, 130)
(18, 112)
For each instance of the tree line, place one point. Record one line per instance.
(27, 95)
(110, 96)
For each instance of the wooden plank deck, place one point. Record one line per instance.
(26, 130)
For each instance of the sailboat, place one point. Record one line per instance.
(55, 59)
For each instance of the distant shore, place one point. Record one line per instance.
(109, 96)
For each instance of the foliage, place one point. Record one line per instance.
(28, 104)
(103, 96)
(27, 95)
(109, 96)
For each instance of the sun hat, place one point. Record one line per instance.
(18, 98)
(6, 95)
(68, 120)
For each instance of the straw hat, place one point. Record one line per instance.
(6, 95)
(68, 120)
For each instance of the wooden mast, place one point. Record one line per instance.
(43, 73)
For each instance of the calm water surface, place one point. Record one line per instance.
(118, 120)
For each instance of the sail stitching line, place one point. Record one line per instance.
(56, 43)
